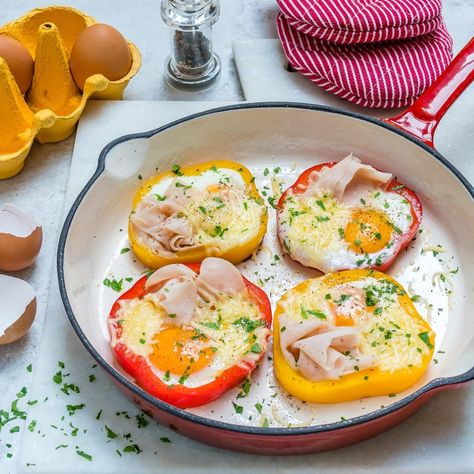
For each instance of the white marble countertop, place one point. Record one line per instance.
(40, 188)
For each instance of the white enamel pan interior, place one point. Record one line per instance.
(438, 266)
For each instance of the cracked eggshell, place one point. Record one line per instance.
(20, 239)
(18, 308)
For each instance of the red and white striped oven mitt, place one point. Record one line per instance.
(362, 21)
(339, 54)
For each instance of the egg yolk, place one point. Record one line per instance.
(368, 231)
(181, 351)
(214, 188)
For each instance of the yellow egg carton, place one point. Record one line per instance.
(52, 106)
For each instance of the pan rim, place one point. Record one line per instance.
(434, 384)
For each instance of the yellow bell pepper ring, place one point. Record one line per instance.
(369, 382)
(234, 253)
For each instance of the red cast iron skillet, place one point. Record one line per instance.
(416, 126)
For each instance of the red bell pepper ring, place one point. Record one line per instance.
(393, 186)
(179, 395)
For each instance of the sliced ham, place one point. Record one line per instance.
(218, 276)
(174, 288)
(178, 298)
(321, 351)
(347, 180)
(161, 276)
(178, 289)
(160, 224)
(295, 331)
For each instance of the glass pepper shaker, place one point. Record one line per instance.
(192, 64)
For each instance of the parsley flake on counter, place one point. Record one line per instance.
(110, 434)
(84, 455)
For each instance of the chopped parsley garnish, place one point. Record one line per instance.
(425, 337)
(73, 408)
(212, 324)
(322, 218)
(178, 184)
(256, 349)
(176, 169)
(164, 439)
(317, 314)
(132, 448)
(266, 171)
(248, 324)
(238, 408)
(397, 188)
(160, 198)
(110, 433)
(183, 378)
(245, 388)
(321, 204)
(113, 284)
(219, 231)
(142, 422)
(84, 455)
(258, 407)
(341, 232)
(312, 312)
(125, 250)
(58, 377)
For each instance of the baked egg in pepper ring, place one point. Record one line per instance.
(344, 215)
(189, 213)
(188, 333)
(349, 335)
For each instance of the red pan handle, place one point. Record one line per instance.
(422, 118)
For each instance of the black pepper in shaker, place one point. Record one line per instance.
(192, 64)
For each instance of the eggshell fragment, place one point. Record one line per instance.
(100, 49)
(20, 239)
(18, 308)
(19, 61)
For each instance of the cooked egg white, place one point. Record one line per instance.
(223, 334)
(387, 331)
(323, 233)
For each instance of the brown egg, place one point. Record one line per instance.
(99, 49)
(18, 308)
(19, 61)
(20, 239)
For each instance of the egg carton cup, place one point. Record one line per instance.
(53, 105)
